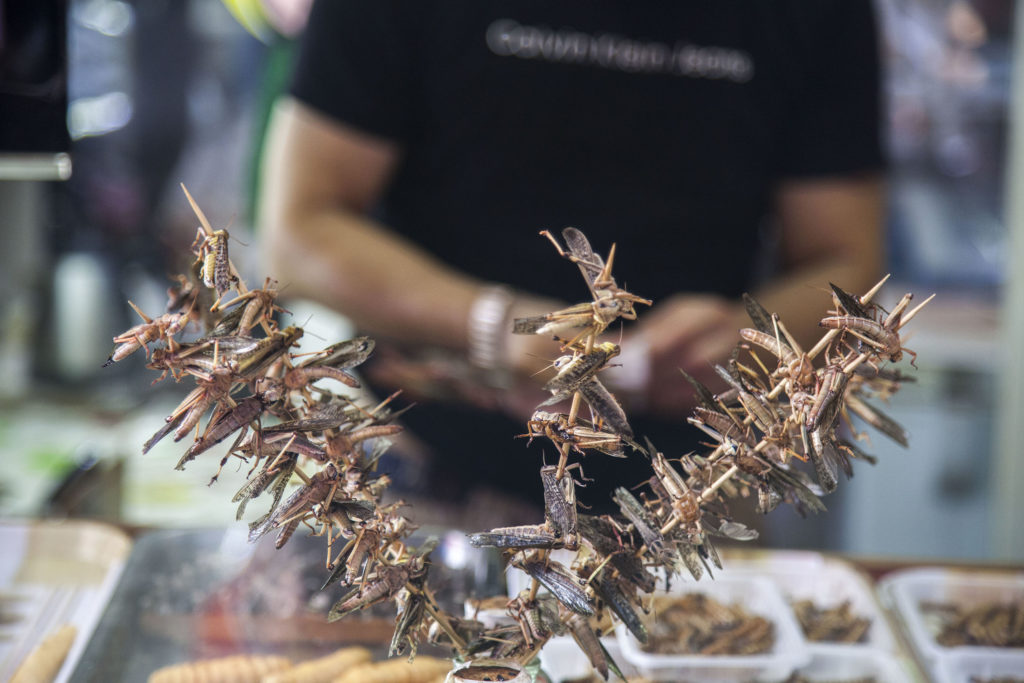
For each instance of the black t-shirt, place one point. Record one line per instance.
(662, 126)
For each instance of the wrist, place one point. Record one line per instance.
(488, 329)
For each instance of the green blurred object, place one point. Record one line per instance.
(49, 461)
(280, 59)
(252, 17)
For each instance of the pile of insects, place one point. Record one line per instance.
(989, 624)
(777, 413)
(839, 624)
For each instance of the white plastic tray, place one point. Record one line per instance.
(963, 667)
(827, 582)
(852, 664)
(758, 596)
(906, 590)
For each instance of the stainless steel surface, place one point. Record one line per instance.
(196, 594)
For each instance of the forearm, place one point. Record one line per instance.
(319, 180)
(385, 284)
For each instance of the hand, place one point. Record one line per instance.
(689, 332)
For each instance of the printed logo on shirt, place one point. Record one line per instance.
(509, 38)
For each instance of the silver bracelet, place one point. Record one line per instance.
(488, 328)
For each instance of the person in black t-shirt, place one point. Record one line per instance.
(424, 144)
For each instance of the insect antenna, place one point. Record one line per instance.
(550, 364)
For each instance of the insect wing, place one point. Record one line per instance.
(599, 533)
(562, 583)
(258, 528)
(759, 316)
(411, 610)
(312, 424)
(850, 303)
(590, 264)
(560, 502)
(239, 416)
(878, 420)
(261, 526)
(616, 599)
(346, 354)
(704, 395)
(357, 510)
(530, 324)
(229, 322)
(589, 643)
(270, 350)
(612, 665)
(339, 564)
(729, 378)
(767, 499)
(556, 323)
(255, 486)
(824, 459)
(606, 407)
(641, 520)
(712, 553)
(163, 431)
(225, 346)
(581, 368)
(857, 452)
(797, 487)
(691, 560)
(261, 482)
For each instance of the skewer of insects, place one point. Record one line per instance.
(321, 448)
(766, 421)
(314, 452)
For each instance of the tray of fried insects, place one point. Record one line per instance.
(833, 602)
(730, 628)
(955, 618)
(845, 634)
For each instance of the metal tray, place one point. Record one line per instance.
(198, 594)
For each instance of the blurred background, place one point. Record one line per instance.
(114, 104)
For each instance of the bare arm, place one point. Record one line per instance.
(319, 179)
